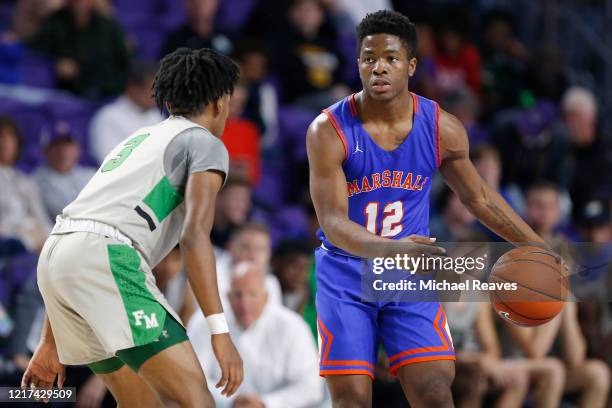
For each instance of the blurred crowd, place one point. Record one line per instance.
(75, 80)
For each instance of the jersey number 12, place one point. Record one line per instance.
(392, 218)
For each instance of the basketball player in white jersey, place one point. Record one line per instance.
(155, 189)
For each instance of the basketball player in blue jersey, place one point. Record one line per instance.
(372, 157)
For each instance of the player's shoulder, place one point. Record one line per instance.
(453, 137)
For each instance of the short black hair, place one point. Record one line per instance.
(188, 80)
(389, 22)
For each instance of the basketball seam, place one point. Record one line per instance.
(529, 260)
(531, 289)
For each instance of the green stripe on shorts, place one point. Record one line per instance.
(145, 314)
(110, 365)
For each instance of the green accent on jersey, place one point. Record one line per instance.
(163, 199)
(124, 153)
(145, 314)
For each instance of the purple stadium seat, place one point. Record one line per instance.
(233, 14)
(270, 191)
(293, 124)
(147, 39)
(162, 15)
(37, 71)
(77, 113)
(286, 222)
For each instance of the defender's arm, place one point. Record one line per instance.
(197, 249)
(478, 197)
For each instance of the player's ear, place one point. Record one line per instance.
(412, 63)
(221, 105)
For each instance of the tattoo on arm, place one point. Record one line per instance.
(507, 223)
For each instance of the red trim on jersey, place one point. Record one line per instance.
(352, 105)
(437, 136)
(415, 102)
(339, 131)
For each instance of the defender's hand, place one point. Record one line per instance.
(230, 363)
(43, 368)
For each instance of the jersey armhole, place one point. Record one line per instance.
(336, 124)
(437, 134)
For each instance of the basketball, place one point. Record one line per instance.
(540, 281)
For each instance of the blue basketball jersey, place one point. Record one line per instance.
(388, 191)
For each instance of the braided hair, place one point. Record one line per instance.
(188, 80)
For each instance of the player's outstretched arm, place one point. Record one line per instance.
(478, 197)
(199, 259)
(330, 198)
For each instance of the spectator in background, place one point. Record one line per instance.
(592, 284)
(462, 103)
(457, 60)
(488, 164)
(545, 76)
(61, 179)
(232, 209)
(22, 214)
(357, 9)
(504, 62)
(279, 354)
(543, 212)
(480, 368)
(424, 80)
(591, 154)
(134, 109)
(261, 106)
(171, 279)
(533, 145)
(241, 138)
(454, 222)
(293, 266)
(589, 378)
(251, 242)
(91, 57)
(199, 30)
(28, 15)
(308, 58)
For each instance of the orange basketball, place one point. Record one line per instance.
(539, 286)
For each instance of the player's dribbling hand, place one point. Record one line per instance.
(230, 362)
(43, 368)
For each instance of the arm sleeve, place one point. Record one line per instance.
(192, 151)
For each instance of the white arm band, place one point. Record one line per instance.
(217, 323)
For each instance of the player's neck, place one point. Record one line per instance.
(387, 111)
(205, 120)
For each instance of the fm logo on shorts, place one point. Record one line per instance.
(150, 321)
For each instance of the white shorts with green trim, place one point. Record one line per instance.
(100, 296)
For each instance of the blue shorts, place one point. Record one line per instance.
(350, 330)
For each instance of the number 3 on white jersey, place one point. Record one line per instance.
(391, 222)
